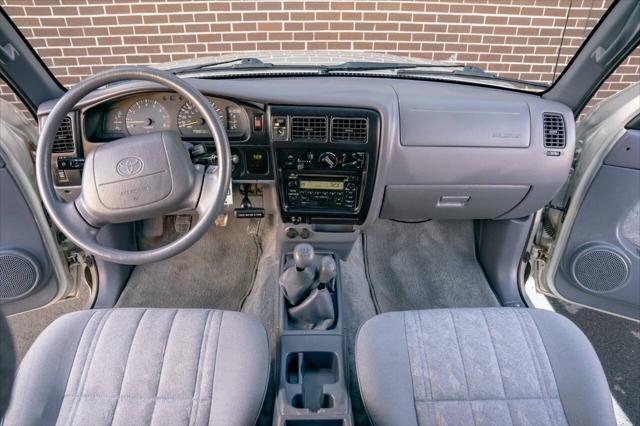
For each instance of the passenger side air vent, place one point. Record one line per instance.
(349, 129)
(554, 130)
(63, 143)
(308, 129)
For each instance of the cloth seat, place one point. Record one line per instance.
(485, 366)
(144, 366)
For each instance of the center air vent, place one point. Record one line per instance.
(63, 143)
(349, 129)
(554, 130)
(308, 129)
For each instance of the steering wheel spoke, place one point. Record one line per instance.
(76, 223)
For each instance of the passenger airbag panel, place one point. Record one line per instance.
(464, 122)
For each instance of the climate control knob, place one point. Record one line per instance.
(328, 159)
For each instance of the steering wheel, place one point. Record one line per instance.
(136, 177)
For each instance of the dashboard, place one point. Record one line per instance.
(346, 151)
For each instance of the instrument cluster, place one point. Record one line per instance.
(154, 112)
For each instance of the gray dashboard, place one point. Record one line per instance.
(446, 150)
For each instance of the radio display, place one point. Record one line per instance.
(322, 184)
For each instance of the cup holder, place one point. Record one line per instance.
(298, 401)
(311, 371)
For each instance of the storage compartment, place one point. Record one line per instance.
(325, 422)
(312, 385)
(422, 202)
(312, 370)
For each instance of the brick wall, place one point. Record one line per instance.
(513, 38)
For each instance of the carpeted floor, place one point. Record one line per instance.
(215, 273)
(425, 265)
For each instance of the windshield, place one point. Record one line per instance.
(521, 44)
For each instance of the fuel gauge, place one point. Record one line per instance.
(114, 121)
(234, 119)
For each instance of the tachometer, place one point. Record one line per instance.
(146, 116)
(192, 124)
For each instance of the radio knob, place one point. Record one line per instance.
(328, 159)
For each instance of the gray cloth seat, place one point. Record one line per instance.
(144, 366)
(485, 366)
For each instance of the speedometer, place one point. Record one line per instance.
(146, 116)
(192, 124)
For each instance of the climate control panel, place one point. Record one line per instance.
(323, 160)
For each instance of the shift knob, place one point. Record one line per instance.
(327, 270)
(303, 256)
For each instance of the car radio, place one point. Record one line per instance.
(335, 192)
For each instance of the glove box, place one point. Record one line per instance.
(422, 202)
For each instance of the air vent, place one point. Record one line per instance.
(349, 129)
(554, 130)
(308, 129)
(63, 142)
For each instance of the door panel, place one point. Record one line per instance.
(33, 271)
(25, 270)
(601, 264)
(589, 250)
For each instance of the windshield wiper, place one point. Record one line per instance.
(238, 63)
(471, 72)
(379, 66)
(249, 64)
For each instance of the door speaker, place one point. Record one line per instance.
(600, 268)
(19, 274)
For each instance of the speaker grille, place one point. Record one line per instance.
(600, 269)
(18, 275)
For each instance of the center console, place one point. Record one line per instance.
(326, 160)
(312, 375)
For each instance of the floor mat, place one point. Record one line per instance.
(215, 273)
(25, 327)
(425, 265)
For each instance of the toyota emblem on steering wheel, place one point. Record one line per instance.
(129, 166)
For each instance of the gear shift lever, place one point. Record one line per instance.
(303, 256)
(297, 280)
(317, 311)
